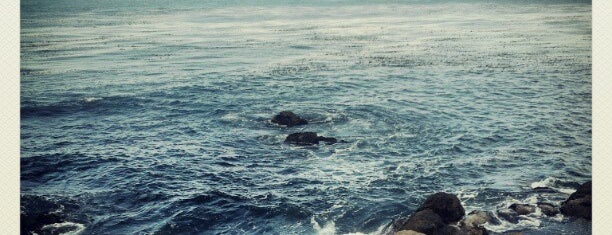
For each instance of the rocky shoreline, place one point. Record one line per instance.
(442, 213)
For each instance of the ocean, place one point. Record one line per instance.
(153, 117)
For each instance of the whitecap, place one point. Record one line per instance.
(551, 182)
(91, 99)
(70, 227)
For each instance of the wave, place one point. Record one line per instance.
(64, 228)
(98, 105)
(44, 167)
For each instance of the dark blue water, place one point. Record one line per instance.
(154, 118)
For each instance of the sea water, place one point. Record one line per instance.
(153, 116)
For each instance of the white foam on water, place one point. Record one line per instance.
(77, 228)
(551, 182)
(231, 117)
(526, 222)
(548, 182)
(530, 222)
(91, 99)
(327, 229)
(330, 229)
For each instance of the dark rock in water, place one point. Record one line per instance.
(288, 118)
(579, 203)
(328, 140)
(425, 221)
(36, 212)
(508, 215)
(584, 190)
(523, 209)
(548, 209)
(446, 205)
(544, 190)
(439, 215)
(308, 138)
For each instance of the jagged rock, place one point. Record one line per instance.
(308, 138)
(288, 118)
(447, 206)
(425, 221)
(523, 209)
(579, 203)
(548, 209)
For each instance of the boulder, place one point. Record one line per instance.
(289, 119)
(579, 203)
(523, 209)
(548, 209)
(424, 221)
(308, 138)
(447, 206)
(440, 214)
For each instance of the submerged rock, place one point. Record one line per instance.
(579, 203)
(446, 205)
(548, 209)
(308, 138)
(288, 118)
(523, 209)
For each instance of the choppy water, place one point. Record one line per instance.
(154, 119)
